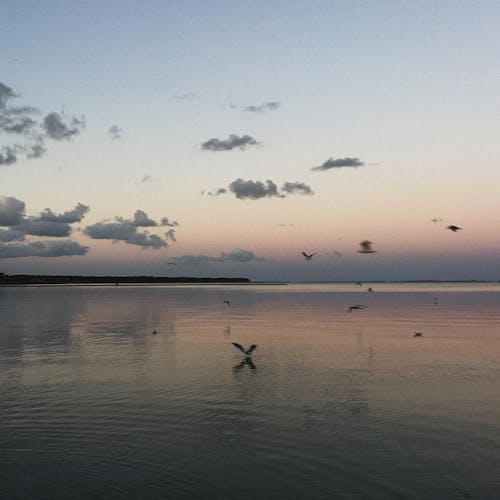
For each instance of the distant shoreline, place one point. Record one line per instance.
(26, 279)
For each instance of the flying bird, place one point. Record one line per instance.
(418, 334)
(366, 247)
(309, 256)
(227, 303)
(357, 306)
(247, 352)
(154, 332)
(454, 228)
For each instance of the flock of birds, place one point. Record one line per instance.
(365, 247)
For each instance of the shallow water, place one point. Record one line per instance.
(337, 405)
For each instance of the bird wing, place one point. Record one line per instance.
(239, 346)
(305, 255)
(251, 349)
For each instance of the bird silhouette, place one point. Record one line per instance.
(247, 352)
(154, 332)
(309, 256)
(357, 306)
(418, 334)
(227, 303)
(366, 247)
(454, 228)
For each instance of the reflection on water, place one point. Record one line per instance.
(332, 404)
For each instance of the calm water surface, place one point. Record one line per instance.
(338, 405)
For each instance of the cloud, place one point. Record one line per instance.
(265, 106)
(166, 222)
(115, 132)
(233, 142)
(126, 231)
(75, 215)
(41, 249)
(36, 227)
(218, 192)
(339, 163)
(56, 128)
(8, 155)
(238, 255)
(254, 189)
(170, 235)
(11, 211)
(29, 133)
(11, 235)
(297, 188)
(5, 94)
(12, 216)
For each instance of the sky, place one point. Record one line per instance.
(217, 138)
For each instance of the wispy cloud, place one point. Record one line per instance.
(127, 231)
(297, 188)
(265, 106)
(238, 255)
(233, 142)
(339, 163)
(115, 132)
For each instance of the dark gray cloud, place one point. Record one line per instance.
(239, 255)
(58, 127)
(126, 231)
(21, 123)
(254, 189)
(68, 217)
(10, 235)
(339, 163)
(166, 222)
(233, 142)
(218, 192)
(36, 227)
(297, 188)
(8, 155)
(170, 235)
(6, 93)
(115, 132)
(12, 216)
(11, 211)
(265, 106)
(41, 249)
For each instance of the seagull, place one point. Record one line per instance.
(154, 332)
(357, 306)
(227, 303)
(417, 334)
(358, 283)
(246, 352)
(309, 256)
(366, 247)
(454, 228)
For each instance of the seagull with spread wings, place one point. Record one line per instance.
(309, 256)
(247, 352)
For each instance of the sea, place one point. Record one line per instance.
(137, 391)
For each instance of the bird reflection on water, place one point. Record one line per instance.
(245, 362)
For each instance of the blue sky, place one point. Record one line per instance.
(410, 89)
